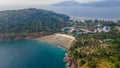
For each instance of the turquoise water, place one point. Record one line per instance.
(30, 54)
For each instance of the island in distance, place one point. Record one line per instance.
(105, 3)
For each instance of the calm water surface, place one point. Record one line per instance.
(76, 11)
(30, 54)
(88, 12)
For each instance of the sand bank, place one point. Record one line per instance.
(61, 40)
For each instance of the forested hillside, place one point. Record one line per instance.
(100, 50)
(30, 21)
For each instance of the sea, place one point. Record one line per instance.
(75, 11)
(88, 12)
(31, 54)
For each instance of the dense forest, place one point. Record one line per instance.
(30, 22)
(99, 50)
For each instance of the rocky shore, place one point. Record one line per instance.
(70, 63)
(17, 38)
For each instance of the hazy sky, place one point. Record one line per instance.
(34, 2)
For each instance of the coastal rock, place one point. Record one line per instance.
(70, 63)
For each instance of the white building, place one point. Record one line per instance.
(106, 28)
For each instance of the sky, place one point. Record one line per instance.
(36, 2)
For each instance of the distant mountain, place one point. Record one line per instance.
(106, 3)
(67, 3)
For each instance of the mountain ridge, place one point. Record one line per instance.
(67, 3)
(106, 3)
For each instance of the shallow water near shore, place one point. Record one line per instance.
(30, 54)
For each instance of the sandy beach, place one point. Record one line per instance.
(61, 40)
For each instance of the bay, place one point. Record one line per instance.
(30, 54)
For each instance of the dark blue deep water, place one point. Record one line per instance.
(30, 54)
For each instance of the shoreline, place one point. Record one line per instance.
(57, 45)
(69, 62)
(92, 18)
(60, 40)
